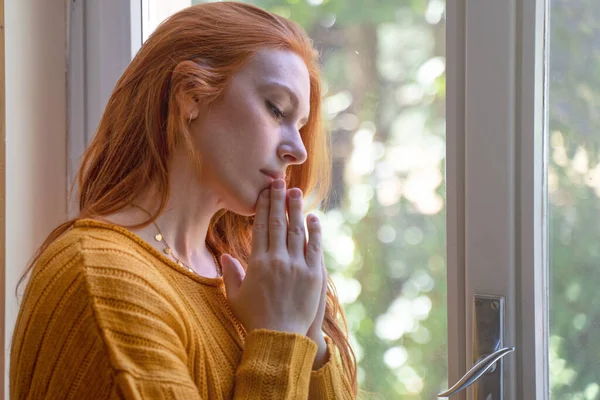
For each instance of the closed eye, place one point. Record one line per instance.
(275, 110)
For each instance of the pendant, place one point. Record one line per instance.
(158, 237)
(168, 250)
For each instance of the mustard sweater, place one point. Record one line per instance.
(106, 316)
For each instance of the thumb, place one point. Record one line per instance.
(233, 274)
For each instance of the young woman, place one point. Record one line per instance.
(188, 273)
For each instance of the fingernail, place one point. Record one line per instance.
(295, 193)
(278, 184)
(313, 218)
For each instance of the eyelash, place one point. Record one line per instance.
(275, 110)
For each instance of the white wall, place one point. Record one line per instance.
(36, 134)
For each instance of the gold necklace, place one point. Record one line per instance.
(159, 237)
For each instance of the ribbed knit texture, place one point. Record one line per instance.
(106, 316)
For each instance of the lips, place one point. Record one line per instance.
(273, 174)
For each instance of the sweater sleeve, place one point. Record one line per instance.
(329, 382)
(275, 365)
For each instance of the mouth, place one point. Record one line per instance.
(273, 174)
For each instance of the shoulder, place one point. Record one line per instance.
(97, 264)
(94, 237)
(108, 259)
(89, 245)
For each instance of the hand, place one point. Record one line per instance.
(315, 331)
(282, 287)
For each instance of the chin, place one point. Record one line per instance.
(244, 212)
(243, 204)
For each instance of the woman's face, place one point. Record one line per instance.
(250, 135)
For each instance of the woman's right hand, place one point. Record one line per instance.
(282, 286)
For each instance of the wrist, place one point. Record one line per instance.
(322, 356)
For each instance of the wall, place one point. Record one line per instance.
(36, 129)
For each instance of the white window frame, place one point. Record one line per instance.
(496, 74)
(495, 133)
(532, 269)
(104, 35)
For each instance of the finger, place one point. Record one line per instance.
(296, 238)
(313, 247)
(325, 276)
(233, 275)
(277, 217)
(260, 227)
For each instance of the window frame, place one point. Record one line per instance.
(96, 59)
(496, 182)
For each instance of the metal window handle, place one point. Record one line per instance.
(487, 351)
(477, 371)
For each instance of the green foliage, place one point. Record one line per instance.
(574, 180)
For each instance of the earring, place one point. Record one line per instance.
(190, 120)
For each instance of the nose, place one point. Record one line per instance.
(291, 149)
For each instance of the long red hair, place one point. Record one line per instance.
(143, 122)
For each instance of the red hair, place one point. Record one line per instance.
(143, 122)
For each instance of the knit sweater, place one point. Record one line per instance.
(107, 316)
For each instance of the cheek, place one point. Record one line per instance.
(259, 135)
(246, 136)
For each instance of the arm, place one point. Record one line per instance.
(328, 381)
(275, 365)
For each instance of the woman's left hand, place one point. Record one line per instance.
(315, 332)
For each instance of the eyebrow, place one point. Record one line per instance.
(289, 92)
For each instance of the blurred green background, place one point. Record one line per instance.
(384, 78)
(574, 206)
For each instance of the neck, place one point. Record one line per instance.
(186, 218)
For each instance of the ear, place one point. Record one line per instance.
(183, 78)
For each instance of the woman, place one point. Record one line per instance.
(186, 179)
